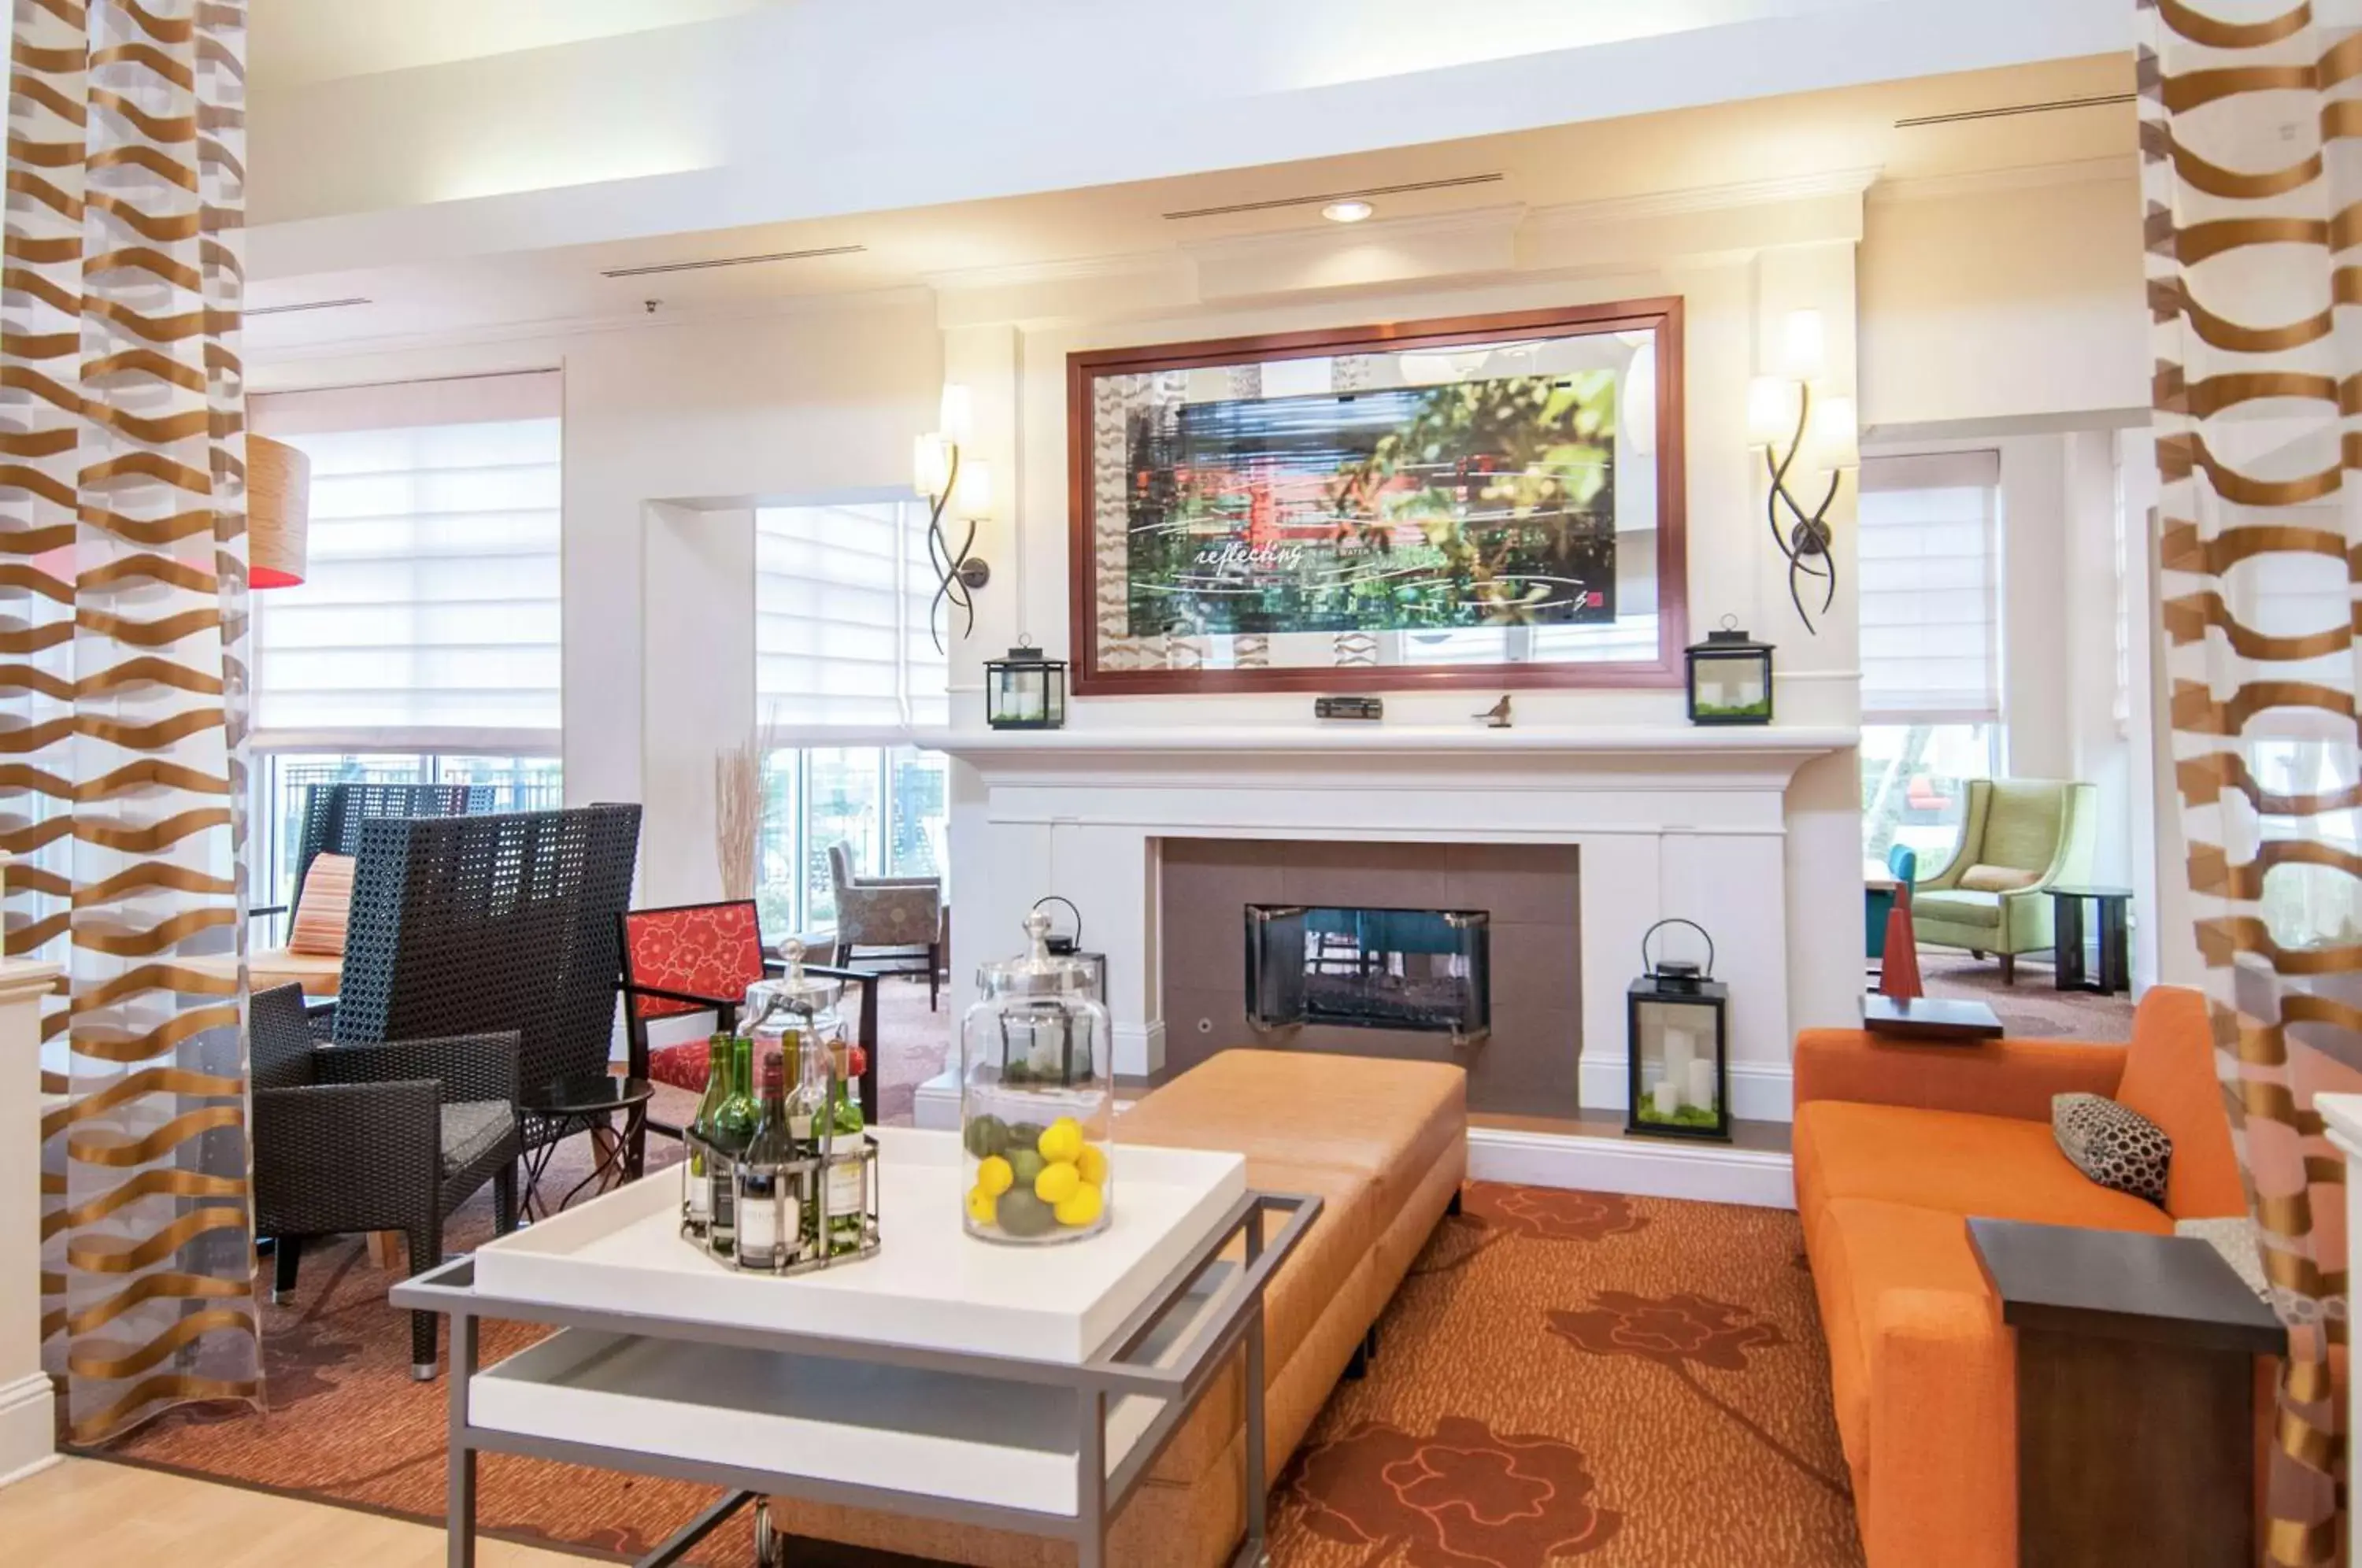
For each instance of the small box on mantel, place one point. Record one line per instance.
(1366, 708)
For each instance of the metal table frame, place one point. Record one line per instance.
(1178, 1382)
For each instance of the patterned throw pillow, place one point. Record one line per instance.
(1996, 879)
(319, 925)
(2113, 1145)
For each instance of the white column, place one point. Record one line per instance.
(26, 1406)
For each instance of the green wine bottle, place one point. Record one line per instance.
(765, 1240)
(697, 1214)
(732, 1130)
(847, 1208)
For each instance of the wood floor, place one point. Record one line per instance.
(96, 1515)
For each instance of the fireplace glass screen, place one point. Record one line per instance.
(1416, 969)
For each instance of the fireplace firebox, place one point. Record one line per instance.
(1370, 969)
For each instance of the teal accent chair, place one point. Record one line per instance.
(1903, 865)
(2044, 830)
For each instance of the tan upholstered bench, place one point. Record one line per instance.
(1386, 1146)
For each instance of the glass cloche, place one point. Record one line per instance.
(1037, 1098)
(792, 1001)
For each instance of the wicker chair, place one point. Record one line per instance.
(900, 916)
(507, 921)
(700, 958)
(383, 1137)
(332, 814)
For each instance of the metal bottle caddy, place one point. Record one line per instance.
(822, 1211)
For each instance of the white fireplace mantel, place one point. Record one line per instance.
(1668, 820)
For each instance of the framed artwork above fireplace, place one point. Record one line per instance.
(1488, 502)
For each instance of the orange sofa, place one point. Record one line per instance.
(1896, 1145)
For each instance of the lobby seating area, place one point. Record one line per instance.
(1312, 786)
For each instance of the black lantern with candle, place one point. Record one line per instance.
(1677, 1043)
(1025, 690)
(1730, 678)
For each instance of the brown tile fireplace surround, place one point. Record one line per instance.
(1526, 892)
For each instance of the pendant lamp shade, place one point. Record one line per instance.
(278, 512)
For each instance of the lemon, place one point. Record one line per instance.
(1062, 1141)
(995, 1177)
(1079, 1206)
(1092, 1164)
(1056, 1182)
(981, 1206)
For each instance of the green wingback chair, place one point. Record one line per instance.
(2037, 833)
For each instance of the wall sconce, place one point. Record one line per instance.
(962, 486)
(1802, 430)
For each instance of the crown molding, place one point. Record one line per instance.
(2024, 177)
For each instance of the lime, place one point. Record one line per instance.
(994, 1176)
(1024, 1134)
(1056, 1182)
(987, 1135)
(1062, 1141)
(1021, 1213)
(1092, 1164)
(1081, 1206)
(1025, 1165)
(981, 1206)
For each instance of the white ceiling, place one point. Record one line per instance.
(1848, 132)
(293, 43)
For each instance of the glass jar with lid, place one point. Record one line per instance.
(1037, 1098)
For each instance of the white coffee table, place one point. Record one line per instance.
(1028, 1389)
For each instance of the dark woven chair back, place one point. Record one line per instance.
(462, 925)
(333, 815)
(700, 950)
(280, 1053)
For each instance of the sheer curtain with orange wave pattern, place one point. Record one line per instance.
(122, 615)
(2251, 145)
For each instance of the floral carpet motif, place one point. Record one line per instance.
(1565, 1380)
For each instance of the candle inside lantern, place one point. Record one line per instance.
(1701, 1083)
(1680, 1053)
(1666, 1098)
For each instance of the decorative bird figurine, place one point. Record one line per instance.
(1496, 717)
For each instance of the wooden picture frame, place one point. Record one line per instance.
(1103, 666)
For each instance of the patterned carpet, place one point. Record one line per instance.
(1632, 1383)
(2031, 1007)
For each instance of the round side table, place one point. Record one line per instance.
(587, 1103)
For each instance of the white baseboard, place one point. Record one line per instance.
(1704, 1172)
(1139, 1048)
(28, 1427)
(1760, 1091)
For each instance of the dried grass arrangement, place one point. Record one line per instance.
(738, 811)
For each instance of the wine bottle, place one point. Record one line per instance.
(847, 1211)
(764, 1242)
(732, 1130)
(698, 1187)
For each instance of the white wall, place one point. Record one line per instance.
(2004, 299)
(793, 404)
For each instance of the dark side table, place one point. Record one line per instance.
(588, 1103)
(2115, 971)
(2135, 1395)
(1940, 1020)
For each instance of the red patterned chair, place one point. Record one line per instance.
(700, 958)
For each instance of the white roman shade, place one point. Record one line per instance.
(1929, 645)
(429, 618)
(841, 649)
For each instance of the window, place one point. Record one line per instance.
(1930, 644)
(423, 645)
(428, 616)
(842, 643)
(886, 805)
(845, 668)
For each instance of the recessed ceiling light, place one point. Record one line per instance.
(1347, 212)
